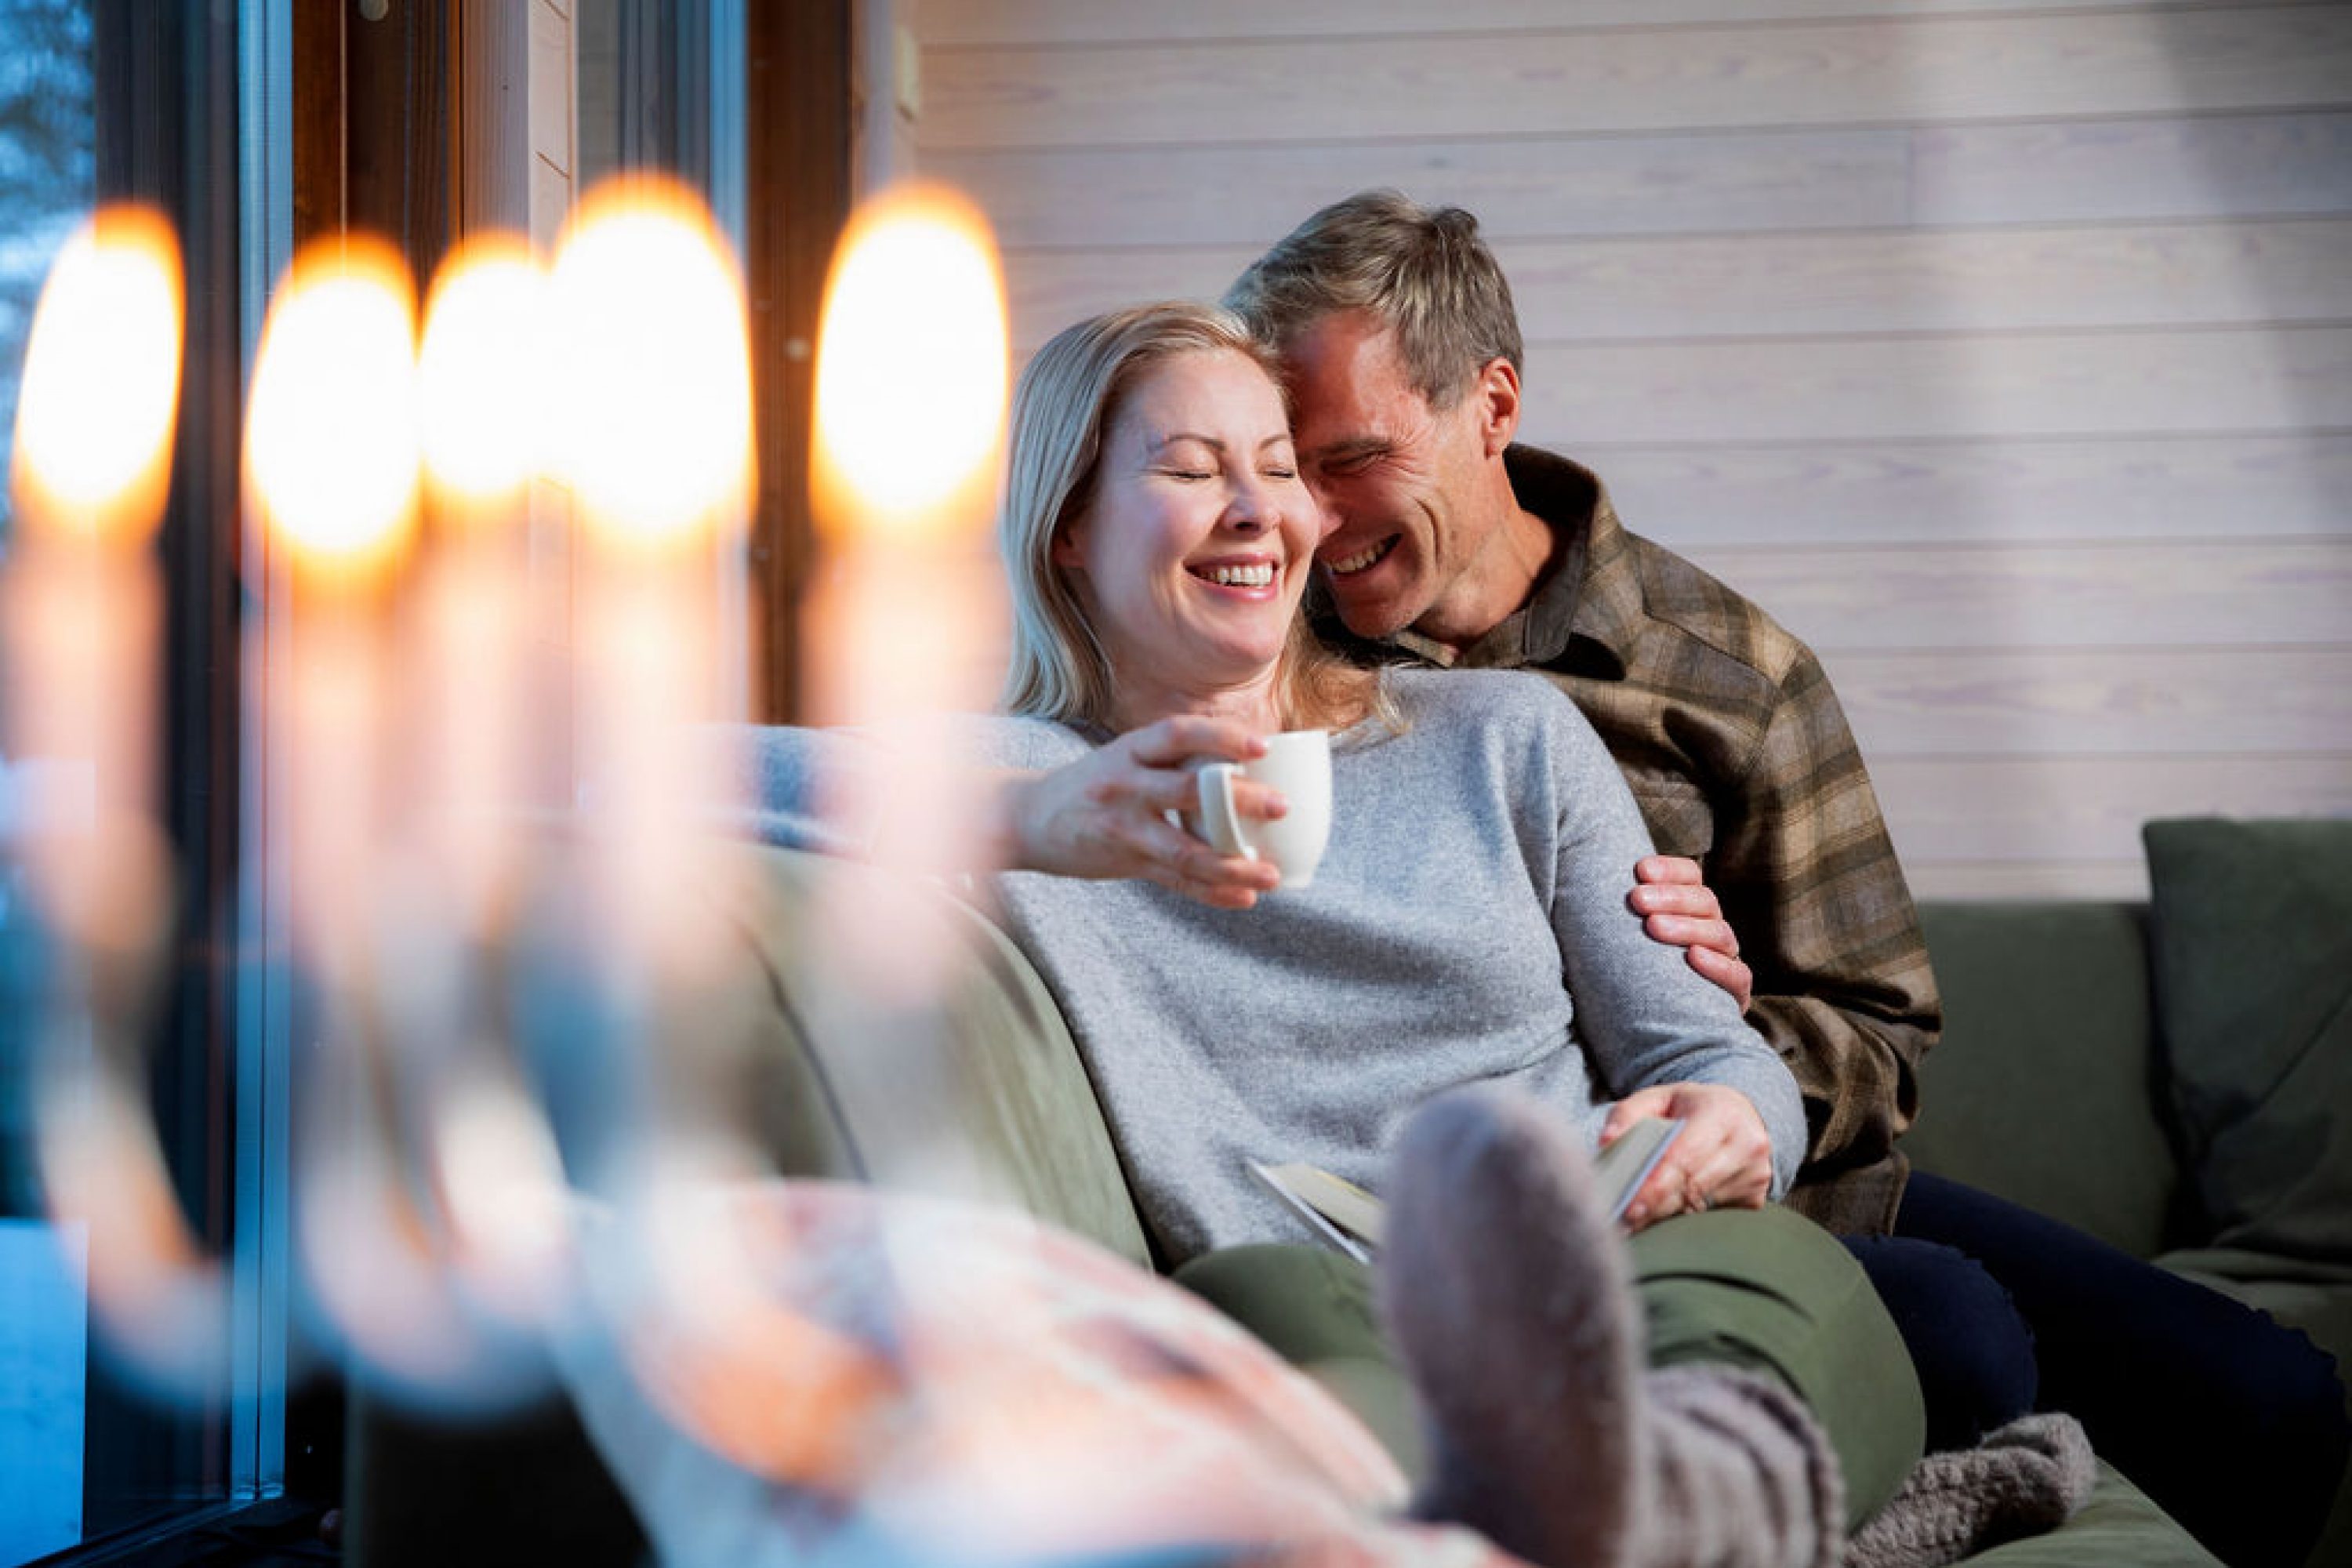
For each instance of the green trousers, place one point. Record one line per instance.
(1768, 1292)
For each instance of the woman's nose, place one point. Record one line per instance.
(1253, 509)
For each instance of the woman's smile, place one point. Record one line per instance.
(1189, 548)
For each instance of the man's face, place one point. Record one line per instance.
(1393, 474)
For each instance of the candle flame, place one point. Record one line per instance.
(653, 382)
(330, 429)
(479, 371)
(910, 374)
(101, 381)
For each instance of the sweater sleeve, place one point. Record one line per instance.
(803, 789)
(1644, 1015)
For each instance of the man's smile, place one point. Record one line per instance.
(1363, 560)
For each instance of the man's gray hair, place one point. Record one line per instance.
(1422, 271)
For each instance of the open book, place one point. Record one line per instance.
(1355, 1221)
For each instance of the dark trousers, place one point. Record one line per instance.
(2232, 1423)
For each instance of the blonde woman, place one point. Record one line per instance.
(1467, 928)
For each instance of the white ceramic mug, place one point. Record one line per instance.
(1298, 764)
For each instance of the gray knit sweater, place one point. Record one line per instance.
(1468, 922)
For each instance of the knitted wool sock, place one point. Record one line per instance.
(2028, 1477)
(1741, 1476)
(1509, 1297)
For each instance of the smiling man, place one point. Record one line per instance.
(1451, 545)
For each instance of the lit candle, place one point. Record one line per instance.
(909, 609)
(91, 462)
(480, 371)
(331, 460)
(330, 446)
(652, 436)
(79, 614)
(653, 432)
(476, 734)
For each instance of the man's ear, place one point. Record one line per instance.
(1498, 392)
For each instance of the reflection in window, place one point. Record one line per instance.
(48, 146)
(100, 102)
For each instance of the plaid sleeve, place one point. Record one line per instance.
(1809, 879)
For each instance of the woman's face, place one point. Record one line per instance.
(1200, 535)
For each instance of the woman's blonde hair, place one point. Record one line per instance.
(1065, 399)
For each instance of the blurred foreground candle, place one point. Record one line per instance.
(480, 689)
(653, 400)
(330, 449)
(91, 462)
(331, 459)
(80, 616)
(480, 372)
(910, 419)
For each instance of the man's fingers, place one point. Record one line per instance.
(1688, 931)
(1732, 974)
(1666, 899)
(1669, 870)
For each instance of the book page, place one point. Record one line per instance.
(1356, 1222)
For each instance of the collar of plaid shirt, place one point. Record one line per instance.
(1590, 592)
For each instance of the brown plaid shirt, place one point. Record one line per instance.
(1741, 758)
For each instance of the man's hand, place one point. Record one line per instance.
(1105, 815)
(1679, 909)
(1722, 1158)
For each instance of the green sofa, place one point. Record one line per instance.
(2053, 994)
(2174, 1076)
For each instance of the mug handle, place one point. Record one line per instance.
(1220, 824)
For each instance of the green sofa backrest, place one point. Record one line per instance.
(983, 1098)
(2043, 1088)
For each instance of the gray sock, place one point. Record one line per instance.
(1509, 1296)
(1511, 1304)
(2027, 1478)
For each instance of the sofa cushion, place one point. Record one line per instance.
(2253, 940)
(984, 1096)
(2117, 1525)
(2040, 1089)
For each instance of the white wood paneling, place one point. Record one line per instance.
(2003, 348)
(2118, 880)
(2188, 485)
(1674, 181)
(2230, 165)
(951, 23)
(2132, 703)
(1882, 71)
(2087, 808)
(1848, 389)
(1988, 280)
(1189, 194)
(551, 86)
(2162, 594)
(1993, 281)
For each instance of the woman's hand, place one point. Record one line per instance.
(1679, 909)
(1721, 1158)
(1105, 815)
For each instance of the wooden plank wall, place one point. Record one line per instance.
(2003, 349)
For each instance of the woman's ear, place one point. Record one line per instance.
(1069, 550)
